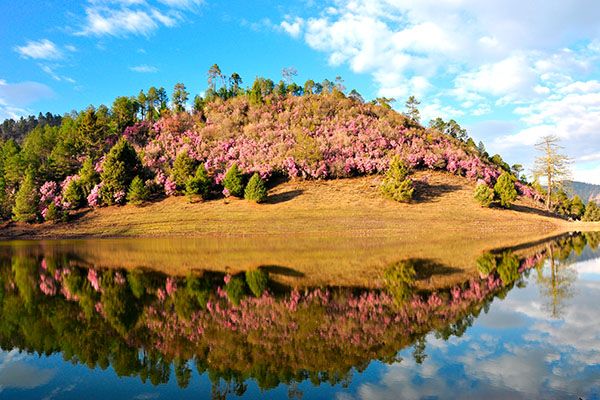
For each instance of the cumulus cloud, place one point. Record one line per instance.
(469, 58)
(40, 50)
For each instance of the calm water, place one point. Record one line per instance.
(525, 327)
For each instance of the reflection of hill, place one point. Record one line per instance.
(141, 323)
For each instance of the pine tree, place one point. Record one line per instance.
(199, 184)
(27, 200)
(505, 189)
(183, 168)
(120, 167)
(256, 190)
(484, 195)
(138, 192)
(234, 181)
(396, 183)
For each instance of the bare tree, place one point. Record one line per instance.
(551, 165)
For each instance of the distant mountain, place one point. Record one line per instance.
(586, 191)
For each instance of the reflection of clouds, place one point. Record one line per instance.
(15, 373)
(514, 351)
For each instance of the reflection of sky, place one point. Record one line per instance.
(514, 351)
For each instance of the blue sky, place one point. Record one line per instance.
(509, 71)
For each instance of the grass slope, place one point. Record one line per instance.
(341, 231)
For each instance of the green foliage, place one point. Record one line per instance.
(497, 159)
(54, 214)
(577, 209)
(74, 194)
(138, 191)
(235, 289)
(199, 184)
(27, 200)
(124, 111)
(183, 168)
(120, 167)
(234, 181)
(486, 263)
(256, 190)
(88, 177)
(180, 97)
(484, 195)
(399, 279)
(257, 281)
(412, 110)
(592, 212)
(396, 183)
(450, 128)
(505, 189)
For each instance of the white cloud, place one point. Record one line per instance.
(40, 50)
(293, 27)
(15, 97)
(133, 17)
(144, 68)
(531, 60)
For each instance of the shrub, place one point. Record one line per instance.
(54, 214)
(234, 181)
(138, 192)
(120, 167)
(199, 184)
(505, 189)
(257, 281)
(592, 212)
(256, 190)
(183, 169)
(74, 194)
(484, 195)
(26, 201)
(396, 183)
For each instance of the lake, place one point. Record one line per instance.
(166, 318)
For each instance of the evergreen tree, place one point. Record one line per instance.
(577, 207)
(199, 184)
(396, 184)
(505, 189)
(234, 181)
(180, 97)
(412, 110)
(183, 168)
(138, 191)
(27, 200)
(256, 190)
(120, 167)
(484, 195)
(592, 212)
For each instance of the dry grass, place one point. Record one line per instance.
(339, 232)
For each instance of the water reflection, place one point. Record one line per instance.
(247, 332)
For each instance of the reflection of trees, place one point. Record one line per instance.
(154, 327)
(556, 281)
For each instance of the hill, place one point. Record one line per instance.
(586, 191)
(93, 156)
